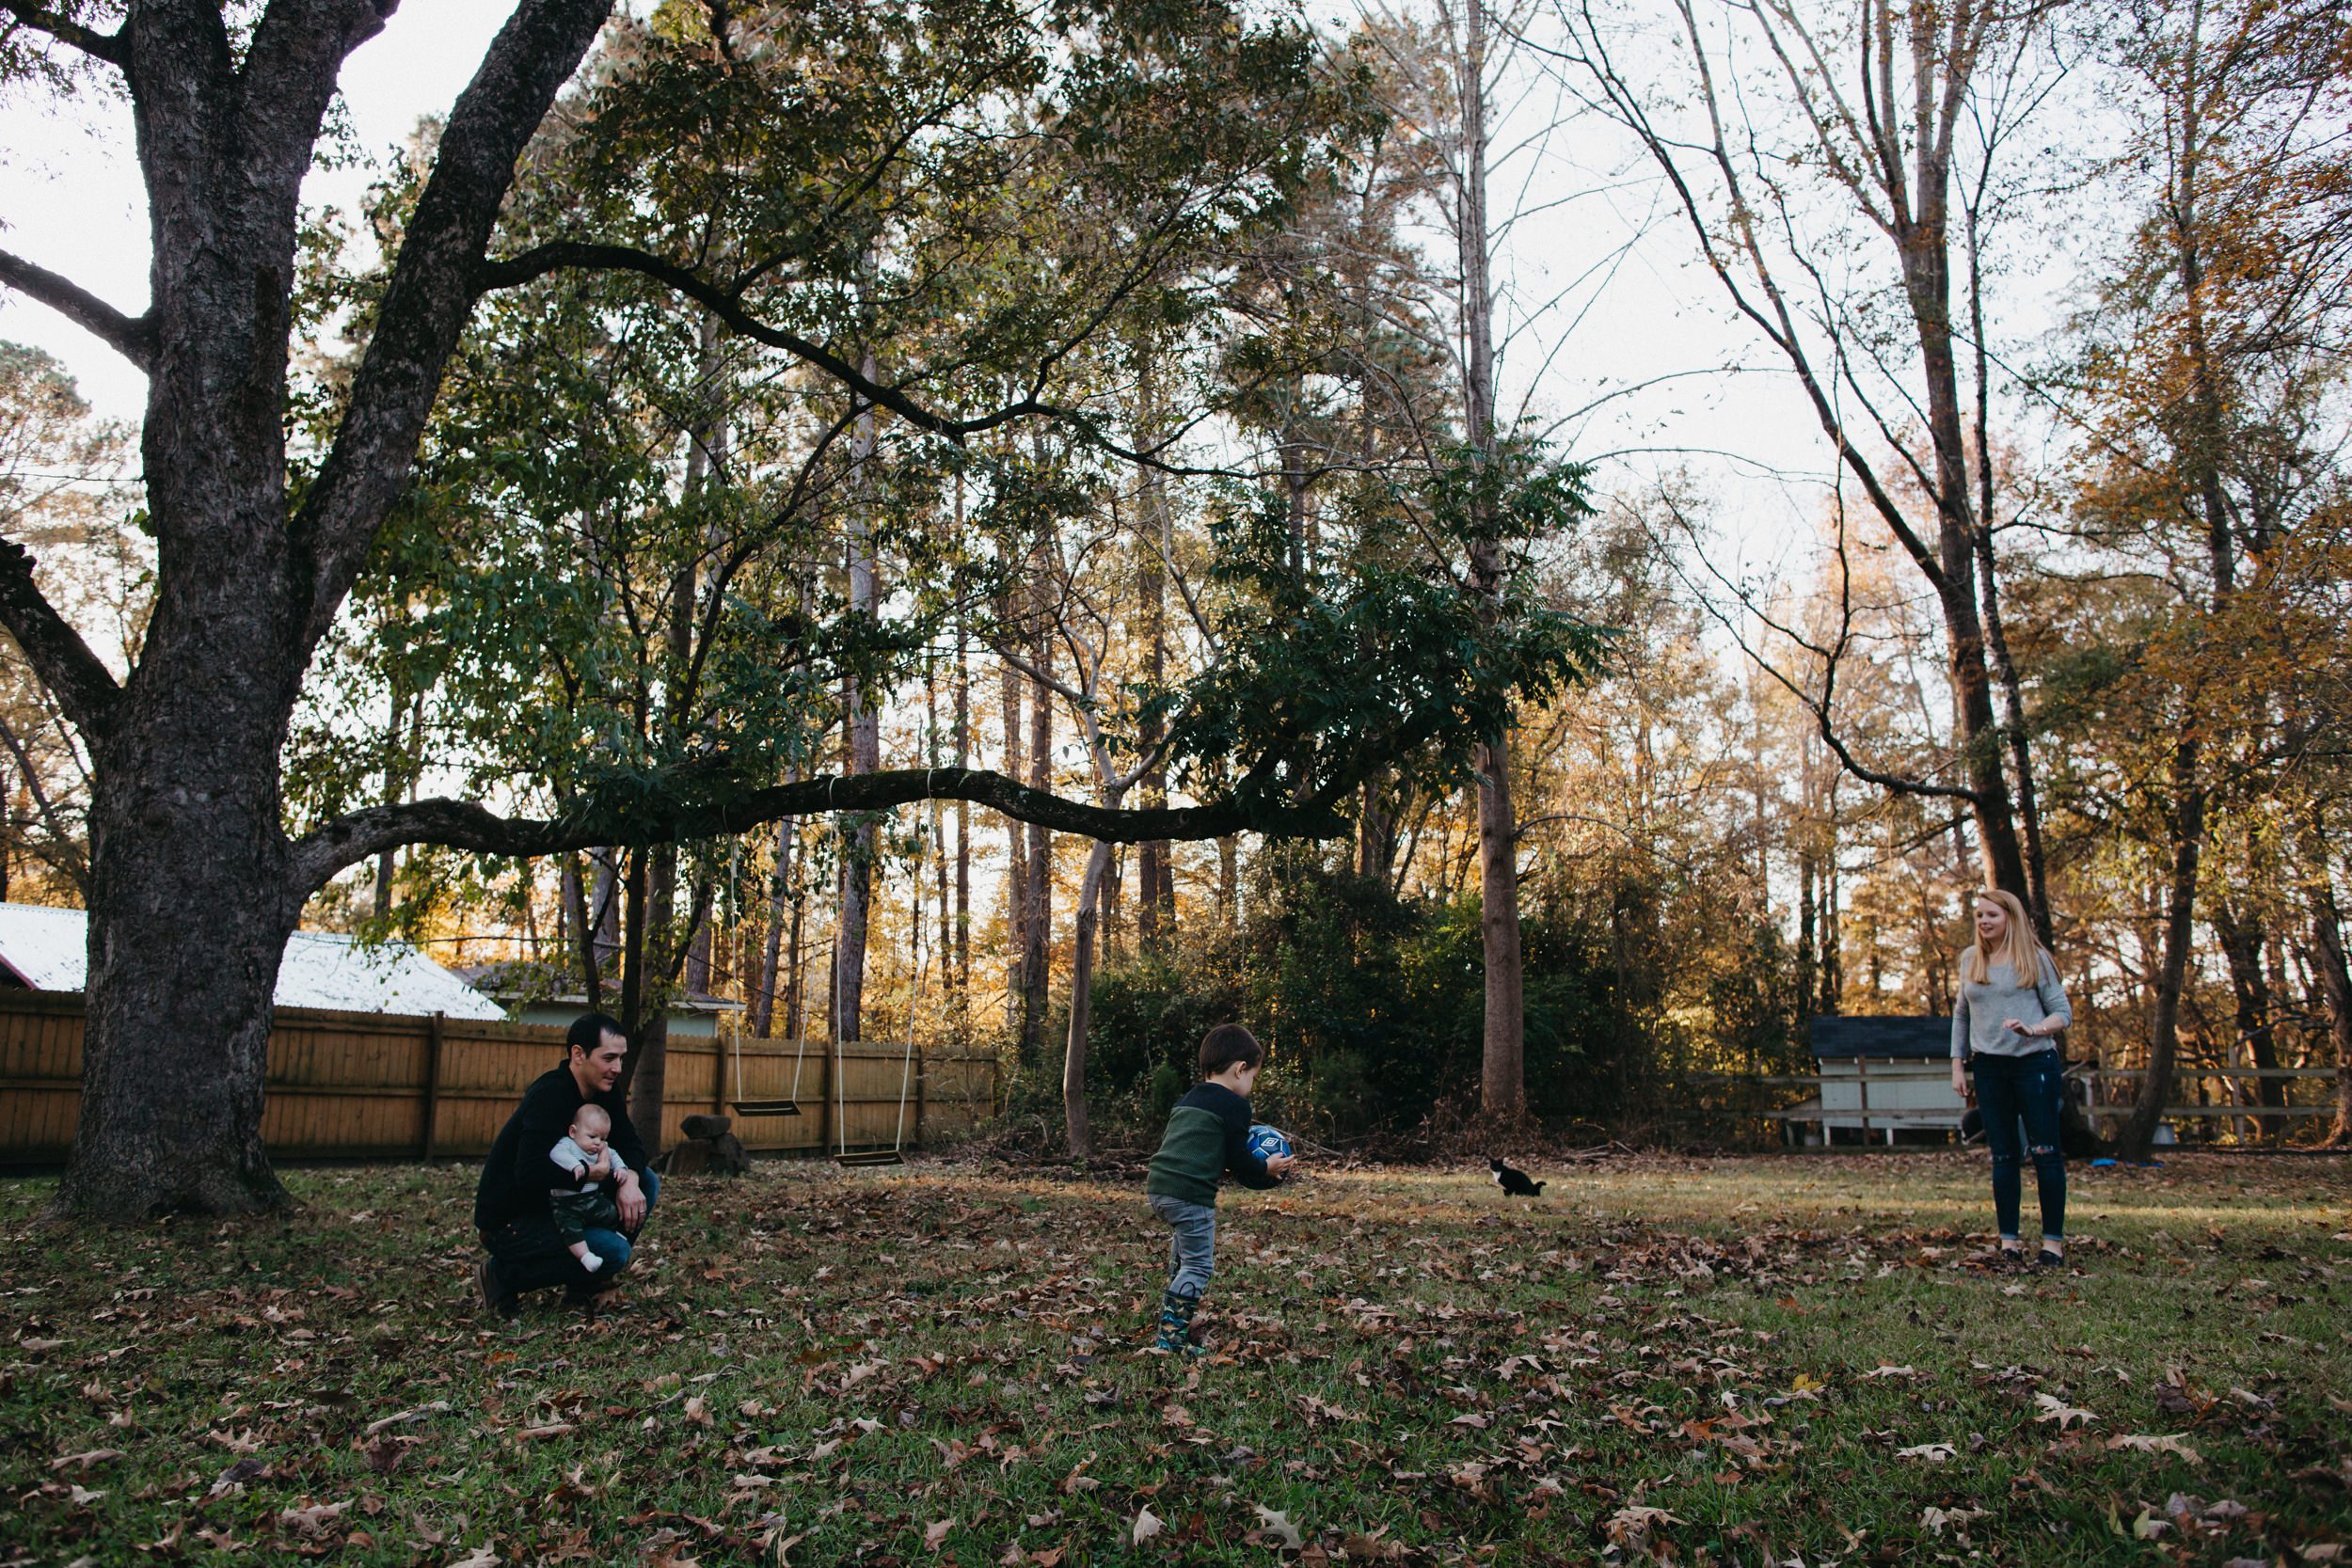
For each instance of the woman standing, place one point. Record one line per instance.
(2009, 1005)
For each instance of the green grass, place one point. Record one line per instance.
(1678, 1358)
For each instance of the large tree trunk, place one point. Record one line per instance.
(2188, 837)
(771, 956)
(190, 911)
(1502, 1085)
(1155, 876)
(1016, 835)
(960, 1013)
(2241, 937)
(1073, 1068)
(1037, 918)
(192, 896)
(2335, 988)
(862, 842)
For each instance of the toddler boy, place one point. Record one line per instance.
(1208, 1134)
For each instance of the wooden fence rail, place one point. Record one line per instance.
(365, 1085)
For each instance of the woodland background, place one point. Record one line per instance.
(2060, 290)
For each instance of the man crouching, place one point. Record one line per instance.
(512, 1206)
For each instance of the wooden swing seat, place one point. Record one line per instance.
(765, 1107)
(870, 1157)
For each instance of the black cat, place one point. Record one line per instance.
(1514, 1182)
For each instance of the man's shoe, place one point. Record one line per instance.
(595, 1302)
(495, 1295)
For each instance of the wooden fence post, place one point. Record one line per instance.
(433, 1030)
(922, 1085)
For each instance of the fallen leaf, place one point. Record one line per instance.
(2065, 1414)
(1891, 1372)
(315, 1521)
(1936, 1518)
(935, 1535)
(1277, 1524)
(85, 1460)
(2148, 1527)
(1146, 1525)
(2151, 1443)
(438, 1407)
(1631, 1525)
(480, 1557)
(1934, 1454)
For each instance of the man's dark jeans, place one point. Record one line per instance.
(531, 1255)
(2020, 1098)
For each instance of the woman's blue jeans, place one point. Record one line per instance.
(2020, 1096)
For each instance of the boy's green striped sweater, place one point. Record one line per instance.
(1208, 1134)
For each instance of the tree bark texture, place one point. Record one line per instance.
(194, 886)
(1155, 878)
(771, 954)
(1016, 835)
(1036, 916)
(1073, 1068)
(2164, 1034)
(2335, 988)
(2241, 938)
(1502, 1085)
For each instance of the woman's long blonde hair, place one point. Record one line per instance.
(2020, 948)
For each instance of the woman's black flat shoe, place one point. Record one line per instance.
(2011, 1256)
(2049, 1260)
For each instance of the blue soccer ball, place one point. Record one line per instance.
(1267, 1143)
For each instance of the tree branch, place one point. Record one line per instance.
(465, 825)
(108, 47)
(727, 304)
(82, 684)
(64, 854)
(431, 294)
(133, 337)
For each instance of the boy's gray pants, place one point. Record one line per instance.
(1192, 1247)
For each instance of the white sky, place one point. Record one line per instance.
(70, 197)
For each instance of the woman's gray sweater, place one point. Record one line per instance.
(1978, 1015)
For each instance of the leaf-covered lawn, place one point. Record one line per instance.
(1725, 1360)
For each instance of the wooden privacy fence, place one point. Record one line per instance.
(367, 1086)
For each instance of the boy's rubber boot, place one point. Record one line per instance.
(1176, 1325)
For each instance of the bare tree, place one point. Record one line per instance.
(1905, 117)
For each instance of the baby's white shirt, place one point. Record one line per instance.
(568, 1156)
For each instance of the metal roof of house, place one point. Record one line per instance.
(1901, 1038)
(48, 949)
(527, 982)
